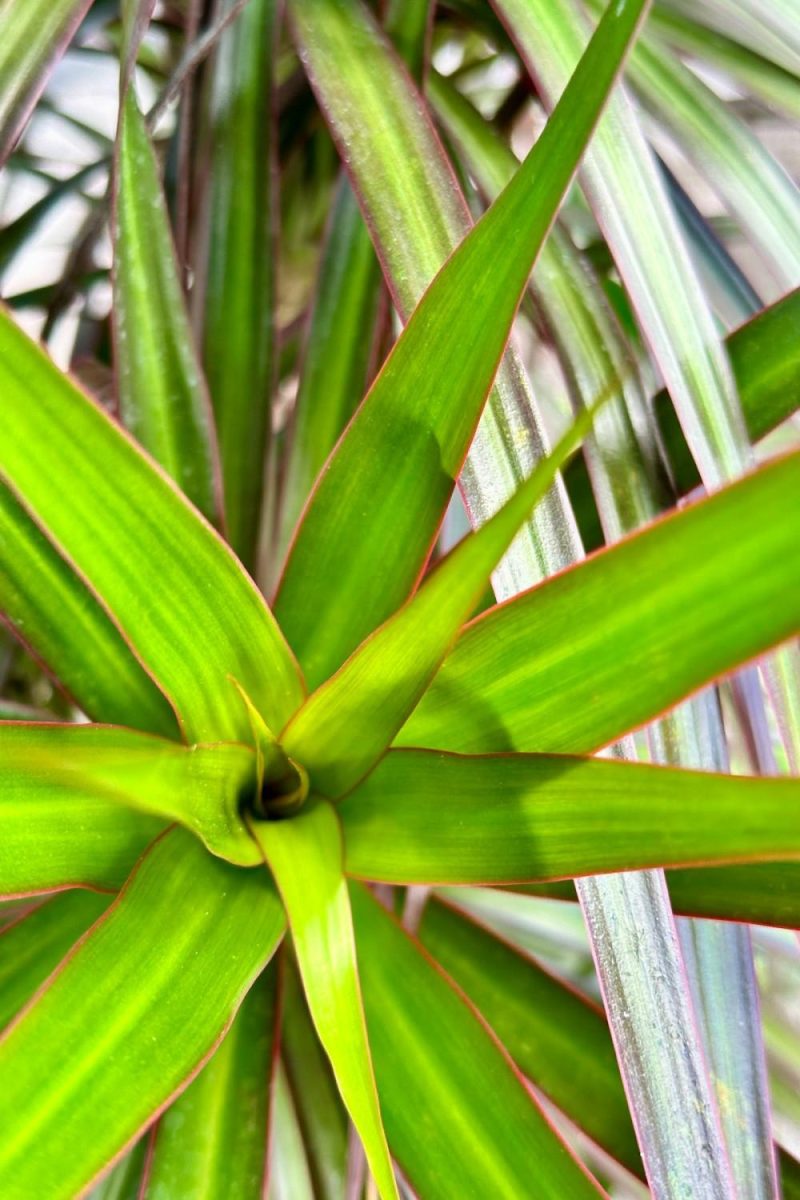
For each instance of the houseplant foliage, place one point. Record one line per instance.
(284, 718)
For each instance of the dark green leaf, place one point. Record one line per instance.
(556, 1036)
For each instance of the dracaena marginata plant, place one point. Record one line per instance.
(296, 748)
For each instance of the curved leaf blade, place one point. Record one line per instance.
(318, 907)
(50, 608)
(89, 1063)
(211, 1143)
(347, 724)
(132, 536)
(162, 394)
(424, 406)
(35, 35)
(34, 946)
(56, 774)
(557, 1037)
(520, 679)
(620, 177)
(427, 817)
(459, 1118)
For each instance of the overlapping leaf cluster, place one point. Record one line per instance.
(249, 770)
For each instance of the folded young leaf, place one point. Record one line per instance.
(34, 946)
(427, 817)
(386, 506)
(305, 857)
(58, 778)
(212, 1141)
(35, 35)
(346, 725)
(681, 603)
(134, 538)
(92, 1061)
(460, 1120)
(162, 393)
(235, 264)
(51, 609)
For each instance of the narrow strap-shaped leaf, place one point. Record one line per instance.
(305, 857)
(592, 349)
(428, 817)
(236, 261)
(69, 841)
(531, 675)
(752, 184)
(60, 620)
(93, 1059)
(765, 356)
(417, 216)
(459, 1119)
(761, 893)
(162, 395)
(631, 206)
(47, 768)
(34, 946)
(35, 35)
(211, 1143)
(133, 537)
(346, 725)
(626, 489)
(554, 1034)
(769, 82)
(320, 1112)
(290, 1175)
(424, 406)
(337, 352)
